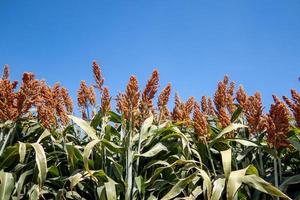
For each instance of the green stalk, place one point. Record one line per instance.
(276, 172)
(261, 164)
(129, 161)
(279, 169)
(6, 140)
(210, 158)
(138, 152)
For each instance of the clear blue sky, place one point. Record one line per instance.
(192, 43)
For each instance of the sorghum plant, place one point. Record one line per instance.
(225, 147)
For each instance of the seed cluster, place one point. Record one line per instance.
(51, 105)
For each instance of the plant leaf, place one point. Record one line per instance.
(226, 162)
(179, 187)
(289, 181)
(7, 182)
(22, 151)
(231, 127)
(263, 186)
(154, 150)
(218, 188)
(87, 151)
(20, 183)
(45, 134)
(110, 189)
(85, 126)
(244, 142)
(235, 180)
(41, 162)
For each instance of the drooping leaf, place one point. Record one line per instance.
(179, 187)
(226, 162)
(41, 161)
(252, 170)
(75, 179)
(87, 151)
(140, 183)
(243, 142)
(22, 151)
(110, 189)
(45, 134)
(85, 126)
(112, 146)
(218, 188)
(156, 149)
(146, 125)
(228, 129)
(207, 184)
(263, 186)
(20, 183)
(290, 181)
(7, 182)
(236, 114)
(235, 181)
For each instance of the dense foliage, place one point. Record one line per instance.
(221, 148)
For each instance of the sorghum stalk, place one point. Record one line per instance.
(261, 163)
(276, 172)
(129, 160)
(210, 158)
(280, 169)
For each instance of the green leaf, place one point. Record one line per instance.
(96, 120)
(110, 189)
(9, 156)
(235, 181)
(243, 142)
(20, 183)
(75, 179)
(252, 170)
(263, 186)
(73, 155)
(226, 162)
(22, 151)
(207, 185)
(218, 188)
(112, 146)
(228, 129)
(45, 134)
(114, 117)
(140, 183)
(41, 162)
(179, 187)
(196, 192)
(290, 181)
(295, 144)
(34, 192)
(144, 130)
(156, 149)
(236, 114)
(87, 151)
(7, 182)
(85, 126)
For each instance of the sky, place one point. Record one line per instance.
(192, 43)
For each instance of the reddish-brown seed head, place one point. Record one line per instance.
(200, 122)
(98, 75)
(5, 72)
(105, 100)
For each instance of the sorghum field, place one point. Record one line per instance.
(223, 147)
